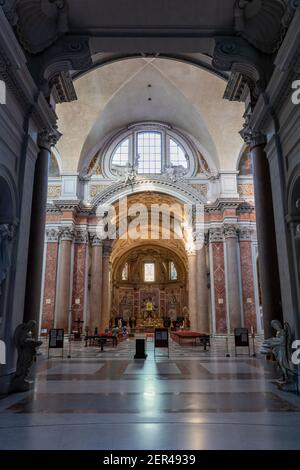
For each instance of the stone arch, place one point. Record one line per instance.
(180, 191)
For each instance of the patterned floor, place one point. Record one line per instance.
(191, 400)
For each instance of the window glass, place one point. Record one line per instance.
(173, 272)
(121, 154)
(149, 272)
(177, 155)
(125, 272)
(149, 152)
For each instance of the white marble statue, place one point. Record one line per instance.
(174, 173)
(280, 346)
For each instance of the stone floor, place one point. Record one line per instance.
(191, 400)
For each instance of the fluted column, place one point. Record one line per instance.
(267, 247)
(192, 263)
(202, 289)
(96, 283)
(106, 287)
(233, 278)
(32, 304)
(64, 280)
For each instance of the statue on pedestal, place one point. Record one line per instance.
(280, 346)
(26, 344)
(186, 315)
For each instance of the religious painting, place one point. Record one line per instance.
(125, 303)
(245, 165)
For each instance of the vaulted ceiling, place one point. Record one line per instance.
(182, 95)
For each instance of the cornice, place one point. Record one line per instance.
(223, 204)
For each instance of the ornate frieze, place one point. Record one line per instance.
(246, 190)
(201, 188)
(97, 189)
(54, 192)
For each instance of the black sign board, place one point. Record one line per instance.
(161, 338)
(140, 352)
(56, 339)
(241, 338)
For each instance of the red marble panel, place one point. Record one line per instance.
(248, 285)
(219, 287)
(49, 286)
(78, 280)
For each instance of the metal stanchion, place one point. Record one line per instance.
(70, 331)
(227, 347)
(253, 341)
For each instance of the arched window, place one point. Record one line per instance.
(53, 167)
(173, 272)
(150, 149)
(125, 272)
(149, 272)
(177, 154)
(121, 154)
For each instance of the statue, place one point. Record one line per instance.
(6, 236)
(186, 315)
(26, 345)
(175, 173)
(280, 346)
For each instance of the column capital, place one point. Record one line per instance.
(95, 240)
(230, 231)
(216, 235)
(49, 137)
(245, 233)
(81, 236)
(252, 137)
(52, 235)
(66, 234)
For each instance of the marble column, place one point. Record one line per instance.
(63, 301)
(96, 283)
(32, 304)
(193, 307)
(106, 285)
(202, 290)
(267, 247)
(233, 277)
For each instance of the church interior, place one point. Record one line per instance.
(149, 225)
